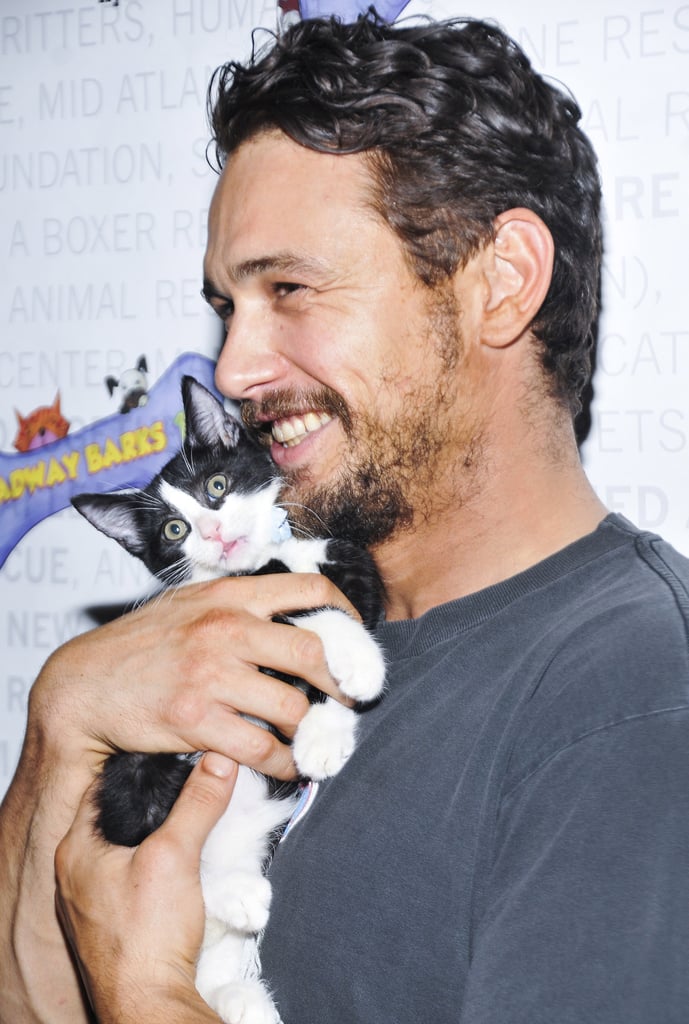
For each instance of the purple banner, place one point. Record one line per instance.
(122, 450)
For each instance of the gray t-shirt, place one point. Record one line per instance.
(509, 844)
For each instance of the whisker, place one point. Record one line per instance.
(188, 458)
(174, 574)
(153, 598)
(304, 532)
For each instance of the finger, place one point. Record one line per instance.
(251, 744)
(293, 650)
(79, 849)
(276, 593)
(83, 829)
(201, 803)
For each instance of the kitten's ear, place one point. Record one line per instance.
(115, 516)
(207, 421)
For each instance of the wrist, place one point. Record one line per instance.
(56, 738)
(180, 1003)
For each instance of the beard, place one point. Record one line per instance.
(389, 476)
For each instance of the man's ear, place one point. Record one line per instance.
(518, 271)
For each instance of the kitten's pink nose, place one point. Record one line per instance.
(209, 528)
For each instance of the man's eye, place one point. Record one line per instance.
(283, 288)
(224, 310)
(222, 307)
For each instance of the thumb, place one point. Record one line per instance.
(202, 801)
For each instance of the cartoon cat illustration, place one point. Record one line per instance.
(41, 427)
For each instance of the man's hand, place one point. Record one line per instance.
(172, 676)
(134, 917)
(176, 674)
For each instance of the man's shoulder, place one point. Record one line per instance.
(628, 598)
(621, 656)
(632, 610)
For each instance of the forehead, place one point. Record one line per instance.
(277, 196)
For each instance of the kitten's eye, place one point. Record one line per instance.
(216, 485)
(175, 529)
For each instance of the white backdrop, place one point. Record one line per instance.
(103, 196)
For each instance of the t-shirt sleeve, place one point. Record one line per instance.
(585, 917)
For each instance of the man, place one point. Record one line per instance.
(404, 247)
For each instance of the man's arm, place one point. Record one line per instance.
(170, 676)
(37, 980)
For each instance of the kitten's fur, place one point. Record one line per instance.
(211, 512)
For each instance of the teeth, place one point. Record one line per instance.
(285, 431)
(312, 421)
(292, 431)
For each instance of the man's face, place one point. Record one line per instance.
(343, 360)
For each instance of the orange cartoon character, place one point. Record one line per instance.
(40, 427)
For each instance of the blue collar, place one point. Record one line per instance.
(281, 527)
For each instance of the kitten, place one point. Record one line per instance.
(212, 511)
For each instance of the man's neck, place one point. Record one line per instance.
(525, 512)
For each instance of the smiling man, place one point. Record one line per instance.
(404, 248)
(334, 347)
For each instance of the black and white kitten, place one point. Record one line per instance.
(212, 511)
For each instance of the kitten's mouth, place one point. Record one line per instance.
(292, 430)
(230, 546)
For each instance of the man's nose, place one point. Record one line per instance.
(250, 360)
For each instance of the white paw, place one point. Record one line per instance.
(244, 1003)
(242, 901)
(353, 656)
(324, 740)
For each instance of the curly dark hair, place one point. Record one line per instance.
(458, 127)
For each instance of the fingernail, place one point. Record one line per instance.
(217, 764)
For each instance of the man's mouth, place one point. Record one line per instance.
(292, 430)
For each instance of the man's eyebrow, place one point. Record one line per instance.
(284, 262)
